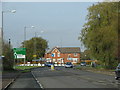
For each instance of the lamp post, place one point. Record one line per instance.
(1, 36)
(25, 28)
(1, 33)
(35, 47)
(35, 42)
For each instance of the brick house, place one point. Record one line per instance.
(63, 55)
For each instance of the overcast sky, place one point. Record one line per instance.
(60, 21)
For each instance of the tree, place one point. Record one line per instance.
(100, 33)
(35, 46)
(85, 55)
(8, 60)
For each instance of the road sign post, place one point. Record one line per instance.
(19, 53)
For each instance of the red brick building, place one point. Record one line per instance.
(63, 55)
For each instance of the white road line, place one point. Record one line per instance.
(8, 84)
(12, 81)
(37, 81)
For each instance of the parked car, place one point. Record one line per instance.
(68, 65)
(49, 64)
(117, 72)
(83, 64)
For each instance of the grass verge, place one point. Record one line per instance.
(26, 67)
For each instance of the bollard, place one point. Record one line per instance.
(52, 67)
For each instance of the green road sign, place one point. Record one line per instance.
(19, 52)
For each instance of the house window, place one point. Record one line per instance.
(75, 54)
(59, 60)
(68, 56)
(58, 54)
(55, 50)
(75, 59)
(54, 60)
(54, 54)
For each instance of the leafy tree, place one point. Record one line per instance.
(100, 33)
(8, 60)
(85, 55)
(35, 46)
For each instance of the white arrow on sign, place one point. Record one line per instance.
(18, 55)
(15, 55)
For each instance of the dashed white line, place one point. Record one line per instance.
(37, 81)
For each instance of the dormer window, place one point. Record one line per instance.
(58, 54)
(75, 54)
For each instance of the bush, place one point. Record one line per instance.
(7, 64)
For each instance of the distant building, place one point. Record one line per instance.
(63, 55)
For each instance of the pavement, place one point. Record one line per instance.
(25, 80)
(8, 78)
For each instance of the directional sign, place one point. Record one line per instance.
(15, 55)
(19, 52)
(52, 55)
(34, 55)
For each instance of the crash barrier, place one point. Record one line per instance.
(32, 65)
(40, 64)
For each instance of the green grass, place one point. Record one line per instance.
(78, 68)
(26, 67)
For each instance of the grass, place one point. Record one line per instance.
(26, 67)
(97, 68)
(78, 68)
(20, 69)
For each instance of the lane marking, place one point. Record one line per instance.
(10, 83)
(37, 81)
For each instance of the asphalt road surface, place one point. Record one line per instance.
(64, 78)
(69, 78)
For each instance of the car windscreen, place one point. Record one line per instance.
(119, 65)
(83, 62)
(68, 63)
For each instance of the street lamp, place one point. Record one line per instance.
(35, 44)
(1, 46)
(25, 33)
(25, 39)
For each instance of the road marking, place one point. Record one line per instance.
(101, 81)
(8, 84)
(37, 81)
(12, 81)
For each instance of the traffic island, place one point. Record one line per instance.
(52, 67)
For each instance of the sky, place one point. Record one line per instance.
(61, 22)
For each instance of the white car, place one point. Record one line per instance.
(68, 65)
(83, 64)
(117, 72)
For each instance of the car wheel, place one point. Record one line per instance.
(116, 78)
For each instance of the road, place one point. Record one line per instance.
(65, 78)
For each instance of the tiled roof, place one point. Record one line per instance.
(67, 49)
